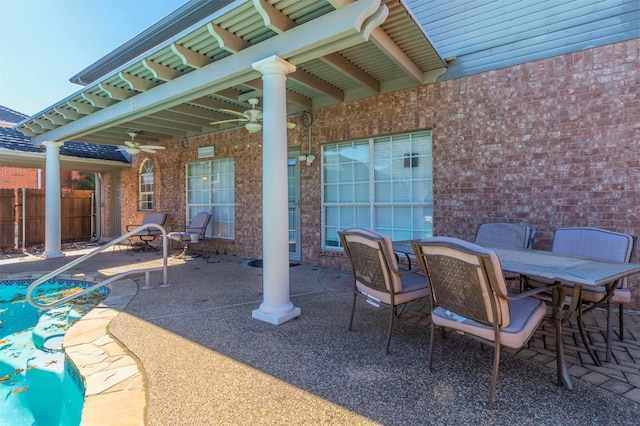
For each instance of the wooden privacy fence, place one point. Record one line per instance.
(7, 218)
(76, 217)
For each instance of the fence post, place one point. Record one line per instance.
(24, 221)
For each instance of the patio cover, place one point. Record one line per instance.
(295, 54)
(16, 150)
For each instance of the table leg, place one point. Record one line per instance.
(561, 365)
(609, 329)
(606, 300)
(585, 342)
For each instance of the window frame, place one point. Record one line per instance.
(222, 212)
(146, 198)
(365, 210)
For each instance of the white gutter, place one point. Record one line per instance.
(36, 160)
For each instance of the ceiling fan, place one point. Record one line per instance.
(132, 147)
(252, 117)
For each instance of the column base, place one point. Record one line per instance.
(276, 318)
(51, 254)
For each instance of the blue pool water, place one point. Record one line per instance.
(38, 386)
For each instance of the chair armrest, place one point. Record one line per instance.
(532, 292)
(132, 227)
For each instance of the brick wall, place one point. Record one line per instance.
(15, 177)
(549, 143)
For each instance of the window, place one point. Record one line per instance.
(145, 200)
(211, 188)
(381, 183)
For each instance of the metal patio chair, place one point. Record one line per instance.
(506, 235)
(146, 236)
(601, 244)
(191, 233)
(469, 295)
(376, 275)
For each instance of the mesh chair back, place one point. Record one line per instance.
(463, 279)
(593, 242)
(504, 234)
(372, 259)
(154, 217)
(199, 224)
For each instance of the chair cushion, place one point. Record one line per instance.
(414, 286)
(526, 314)
(148, 232)
(593, 295)
(180, 236)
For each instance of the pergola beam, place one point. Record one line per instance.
(82, 108)
(292, 97)
(272, 17)
(338, 62)
(333, 31)
(137, 83)
(99, 101)
(227, 40)
(161, 72)
(116, 92)
(316, 84)
(382, 40)
(190, 57)
(69, 114)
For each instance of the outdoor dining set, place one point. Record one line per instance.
(497, 288)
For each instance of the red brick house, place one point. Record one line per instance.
(22, 164)
(411, 133)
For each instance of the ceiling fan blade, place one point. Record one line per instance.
(130, 144)
(129, 150)
(156, 147)
(147, 150)
(229, 121)
(230, 111)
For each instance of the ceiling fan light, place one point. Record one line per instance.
(253, 127)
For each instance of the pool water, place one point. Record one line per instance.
(38, 386)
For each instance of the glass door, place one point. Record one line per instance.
(293, 172)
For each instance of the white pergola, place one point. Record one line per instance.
(295, 54)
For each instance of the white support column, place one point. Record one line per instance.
(276, 307)
(52, 235)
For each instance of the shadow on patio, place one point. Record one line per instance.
(206, 361)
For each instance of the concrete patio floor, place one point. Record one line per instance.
(202, 359)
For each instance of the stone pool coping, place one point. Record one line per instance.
(115, 391)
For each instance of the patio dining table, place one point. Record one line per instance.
(580, 271)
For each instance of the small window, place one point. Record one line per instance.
(146, 185)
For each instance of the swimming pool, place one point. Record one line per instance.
(37, 383)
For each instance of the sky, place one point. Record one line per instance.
(43, 43)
